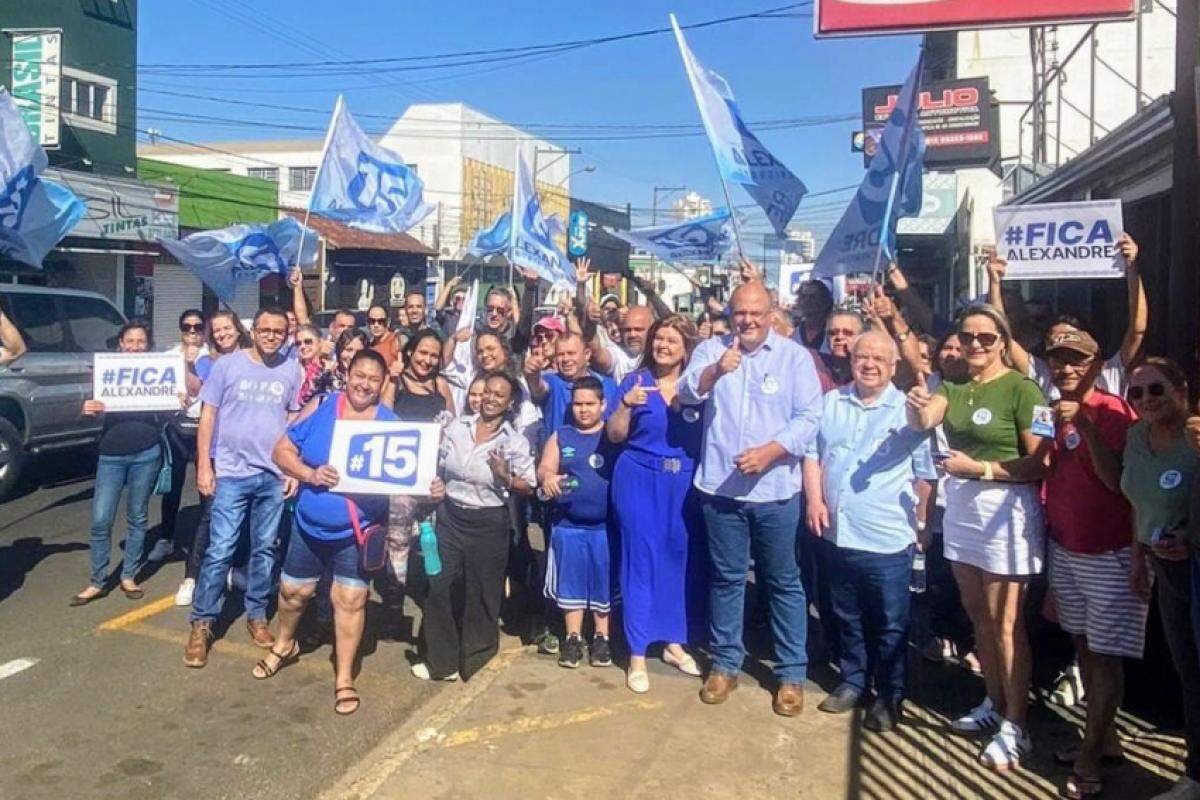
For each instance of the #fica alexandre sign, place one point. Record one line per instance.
(879, 17)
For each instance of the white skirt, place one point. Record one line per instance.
(997, 527)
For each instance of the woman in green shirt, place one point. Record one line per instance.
(1157, 479)
(994, 533)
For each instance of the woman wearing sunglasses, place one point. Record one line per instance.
(308, 353)
(1159, 467)
(993, 528)
(383, 341)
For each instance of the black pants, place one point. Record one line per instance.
(461, 628)
(183, 452)
(817, 560)
(1173, 591)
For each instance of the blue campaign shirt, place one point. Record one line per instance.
(869, 459)
(588, 458)
(773, 395)
(556, 405)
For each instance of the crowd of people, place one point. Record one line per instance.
(831, 452)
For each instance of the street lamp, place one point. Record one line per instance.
(588, 168)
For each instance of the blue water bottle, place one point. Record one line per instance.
(429, 549)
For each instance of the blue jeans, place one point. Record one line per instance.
(261, 496)
(735, 529)
(871, 600)
(138, 471)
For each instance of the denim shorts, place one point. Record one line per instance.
(308, 559)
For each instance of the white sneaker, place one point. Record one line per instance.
(420, 670)
(183, 596)
(638, 681)
(1005, 749)
(162, 550)
(1184, 789)
(982, 717)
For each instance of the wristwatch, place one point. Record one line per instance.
(902, 337)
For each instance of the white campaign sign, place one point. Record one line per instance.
(373, 457)
(1061, 240)
(138, 381)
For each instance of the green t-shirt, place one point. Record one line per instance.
(1158, 485)
(983, 420)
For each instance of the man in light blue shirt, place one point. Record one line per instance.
(868, 478)
(761, 399)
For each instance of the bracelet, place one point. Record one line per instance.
(988, 474)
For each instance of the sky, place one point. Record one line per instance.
(778, 71)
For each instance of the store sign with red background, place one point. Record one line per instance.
(875, 17)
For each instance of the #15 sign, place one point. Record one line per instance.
(1061, 240)
(138, 381)
(373, 457)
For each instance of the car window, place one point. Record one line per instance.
(38, 319)
(94, 323)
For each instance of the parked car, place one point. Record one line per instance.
(42, 392)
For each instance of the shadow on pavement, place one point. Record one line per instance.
(20, 558)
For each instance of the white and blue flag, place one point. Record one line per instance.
(891, 189)
(532, 244)
(223, 258)
(35, 214)
(364, 185)
(704, 239)
(492, 241)
(741, 157)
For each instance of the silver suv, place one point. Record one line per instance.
(42, 392)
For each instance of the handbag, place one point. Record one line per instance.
(162, 484)
(372, 540)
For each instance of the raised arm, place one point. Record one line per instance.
(443, 296)
(896, 327)
(661, 309)
(299, 299)
(996, 269)
(1139, 310)
(920, 313)
(534, 364)
(524, 322)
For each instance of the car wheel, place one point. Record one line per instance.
(13, 459)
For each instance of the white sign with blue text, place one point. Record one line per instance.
(373, 457)
(138, 381)
(1046, 241)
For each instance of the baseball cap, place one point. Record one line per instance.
(1074, 341)
(551, 323)
(610, 298)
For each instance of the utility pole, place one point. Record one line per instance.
(654, 221)
(1183, 287)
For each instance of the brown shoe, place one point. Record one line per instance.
(195, 655)
(717, 687)
(789, 699)
(260, 634)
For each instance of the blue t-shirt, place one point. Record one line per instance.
(556, 405)
(588, 458)
(319, 512)
(204, 365)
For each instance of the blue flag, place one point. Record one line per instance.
(35, 214)
(492, 241)
(741, 157)
(223, 258)
(364, 185)
(532, 244)
(704, 239)
(866, 234)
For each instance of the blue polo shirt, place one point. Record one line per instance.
(556, 405)
(869, 459)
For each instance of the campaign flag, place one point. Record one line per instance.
(35, 214)
(223, 258)
(891, 189)
(364, 185)
(741, 157)
(532, 245)
(701, 239)
(492, 241)
(1044, 241)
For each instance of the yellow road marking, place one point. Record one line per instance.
(138, 614)
(544, 722)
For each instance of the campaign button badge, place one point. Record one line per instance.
(1072, 439)
(982, 416)
(595, 461)
(690, 415)
(1170, 479)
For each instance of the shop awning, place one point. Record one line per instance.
(342, 237)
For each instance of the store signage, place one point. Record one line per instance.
(1043, 241)
(881, 17)
(961, 127)
(123, 210)
(36, 82)
(138, 381)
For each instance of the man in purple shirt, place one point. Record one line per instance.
(248, 400)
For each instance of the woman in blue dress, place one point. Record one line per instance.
(663, 560)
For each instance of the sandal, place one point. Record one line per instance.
(339, 700)
(1069, 755)
(81, 600)
(135, 593)
(1080, 787)
(262, 670)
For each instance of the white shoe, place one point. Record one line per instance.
(162, 550)
(420, 670)
(687, 665)
(1184, 789)
(982, 717)
(638, 681)
(183, 596)
(1004, 751)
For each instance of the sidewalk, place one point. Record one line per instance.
(526, 728)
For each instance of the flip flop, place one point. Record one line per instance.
(1067, 757)
(133, 594)
(338, 700)
(283, 660)
(77, 600)
(1080, 787)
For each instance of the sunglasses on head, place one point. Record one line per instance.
(191, 327)
(1153, 389)
(985, 339)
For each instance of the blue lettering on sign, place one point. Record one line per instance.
(387, 457)
(139, 376)
(1070, 232)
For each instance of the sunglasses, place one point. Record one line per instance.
(277, 333)
(1153, 389)
(308, 342)
(840, 332)
(497, 310)
(985, 340)
(191, 327)
(377, 320)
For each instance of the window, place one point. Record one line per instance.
(36, 316)
(266, 173)
(94, 323)
(300, 179)
(88, 100)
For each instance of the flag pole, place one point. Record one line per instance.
(337, 108)
(887, 213)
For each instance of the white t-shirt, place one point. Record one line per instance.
(194, 404)
(622, 363)
(1112, 377)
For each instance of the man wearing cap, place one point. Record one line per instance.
(545, 333)
(1091, 539)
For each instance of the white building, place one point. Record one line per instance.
(691, 206)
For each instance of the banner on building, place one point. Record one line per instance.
(373, 457)
(961, 126)
(881, 17)
(37, 82)
(1045, 241)
(138, 381)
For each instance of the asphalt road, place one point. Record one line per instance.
(107, 708)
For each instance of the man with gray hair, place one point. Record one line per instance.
(868, 478)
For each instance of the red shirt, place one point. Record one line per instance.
(1086, 516)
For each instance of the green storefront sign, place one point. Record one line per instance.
(36, 82)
